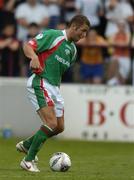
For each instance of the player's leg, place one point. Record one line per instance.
(40, 97)
(58, 129)
(59, 104)
(35, 146)
(47, 115)
(59, 111)
(27, 143)
(60, 125)
(23, 146)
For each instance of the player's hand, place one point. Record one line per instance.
(35, 64)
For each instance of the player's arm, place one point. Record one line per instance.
(29, 52)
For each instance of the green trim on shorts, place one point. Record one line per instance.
(39, 92)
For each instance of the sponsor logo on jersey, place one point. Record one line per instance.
(61, 60)
(39, 36)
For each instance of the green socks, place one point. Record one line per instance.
(27, 143)
(35, 142)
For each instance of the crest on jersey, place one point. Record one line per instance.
(39, 36)
(67, 51)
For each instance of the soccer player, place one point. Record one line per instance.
(51, 53)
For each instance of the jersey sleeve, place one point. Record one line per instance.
(42, 41)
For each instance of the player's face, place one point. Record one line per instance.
(80, 32)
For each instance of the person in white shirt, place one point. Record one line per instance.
(115, 11)
(30, 12)
(54, 12)
(91, 9)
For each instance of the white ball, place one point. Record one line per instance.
(60, 162)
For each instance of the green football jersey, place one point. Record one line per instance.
(56, 54)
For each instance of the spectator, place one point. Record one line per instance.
(132, 43)
(115, 11)
(33, 30)
(132, 3)
(61, 26)
(92, 59)
(9, 52)
(28, 12)
(54, 12)
(119, 67)
(93, 10)
(7, 14)
(69, 9)
(1, 4)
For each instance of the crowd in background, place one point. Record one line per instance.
(105, 56)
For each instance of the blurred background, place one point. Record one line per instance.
(98, 89)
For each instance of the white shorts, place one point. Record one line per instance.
(45, 94)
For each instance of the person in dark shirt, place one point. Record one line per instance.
(9, 52)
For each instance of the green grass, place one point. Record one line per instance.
(90, 161)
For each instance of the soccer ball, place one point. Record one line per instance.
(60, 162)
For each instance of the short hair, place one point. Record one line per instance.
(33, 24)
(79, 20)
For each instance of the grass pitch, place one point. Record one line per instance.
(90, 161)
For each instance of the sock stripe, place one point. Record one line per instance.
(46, 130)
(48, 127)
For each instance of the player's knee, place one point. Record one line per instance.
(51, 121)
